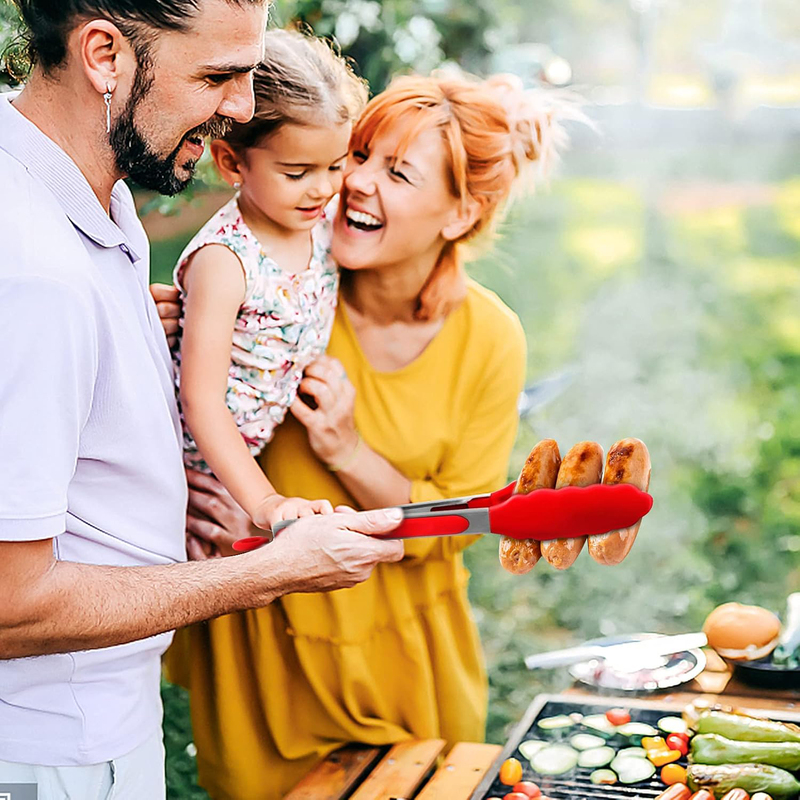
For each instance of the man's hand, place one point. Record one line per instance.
(169, 309)
(336, 551)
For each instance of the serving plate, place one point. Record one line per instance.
(664, 672)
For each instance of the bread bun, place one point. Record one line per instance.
(540, 471)
(742, 633)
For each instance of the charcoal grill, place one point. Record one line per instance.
(575, 785)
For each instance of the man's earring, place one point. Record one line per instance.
(237, 185)
(107, 97)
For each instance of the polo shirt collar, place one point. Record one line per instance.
(44, 159)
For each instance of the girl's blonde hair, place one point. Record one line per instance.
(302, 80)
(497, 135)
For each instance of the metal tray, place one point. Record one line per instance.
(575, 785)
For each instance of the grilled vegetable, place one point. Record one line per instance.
(555, 726)
(702, 795)
(678, 741)
(510, 772)
(742, 727)
(710, 748)
(618, 716)
(636, 731)
(596, 757)
(633, 770)
(662, 757)
(606, 777)
(586, 741)
(672, 725)
(760, 796)
(720, 779)
(599, 724)
(673, 773)
(555, 760)
(737, 794)
(531, 747)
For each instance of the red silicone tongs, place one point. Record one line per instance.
(543, 514)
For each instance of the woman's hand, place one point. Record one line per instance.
(276, 508)
(169, 309)
(215, 520)
(331, 426)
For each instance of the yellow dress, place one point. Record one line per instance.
(276, 689)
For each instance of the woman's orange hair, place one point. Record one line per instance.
(493, 130)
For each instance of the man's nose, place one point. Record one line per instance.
(239, 103)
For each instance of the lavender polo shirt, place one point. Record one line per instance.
(90, 451)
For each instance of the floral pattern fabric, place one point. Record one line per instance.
(282, 326)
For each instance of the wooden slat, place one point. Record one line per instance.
(401, 771)
(461, 772)
(335, 776)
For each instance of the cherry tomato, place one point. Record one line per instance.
(676, 741)
(515, 796)
(618, 716)
(511, 773)
(528, 788)
(673, 773)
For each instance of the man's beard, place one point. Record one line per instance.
(135, 158)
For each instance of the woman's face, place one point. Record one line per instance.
(395, 213)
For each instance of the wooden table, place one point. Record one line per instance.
(409, 769)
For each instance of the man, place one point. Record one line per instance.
(92, 487)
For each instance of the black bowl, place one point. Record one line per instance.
(765, 674)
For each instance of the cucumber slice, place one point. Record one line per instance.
(598, 724)
(636, 731)
(632, 769)
(673, 725)
(632, 752)
(586, 741)
(558, 724)
(596, 757)
(555, 759)
(531, 747)
(606, 776)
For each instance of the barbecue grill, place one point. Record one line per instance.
(575, 785)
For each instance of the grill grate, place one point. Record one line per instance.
(574, 785)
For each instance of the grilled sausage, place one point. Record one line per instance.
(519, 556)
(628, 462)
(582, 466)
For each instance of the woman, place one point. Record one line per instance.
(415, 401)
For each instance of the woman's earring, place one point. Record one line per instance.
(237, 185)
(107, 97)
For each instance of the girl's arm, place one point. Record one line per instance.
(215, 288)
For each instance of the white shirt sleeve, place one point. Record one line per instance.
(48, 365)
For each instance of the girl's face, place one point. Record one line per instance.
(396, 213)
(292, 176)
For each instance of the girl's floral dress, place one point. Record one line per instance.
(282, 326)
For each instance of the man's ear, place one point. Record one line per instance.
(464, 217)
(228, 161)
(105, 54)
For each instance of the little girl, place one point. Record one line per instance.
(258, 282)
